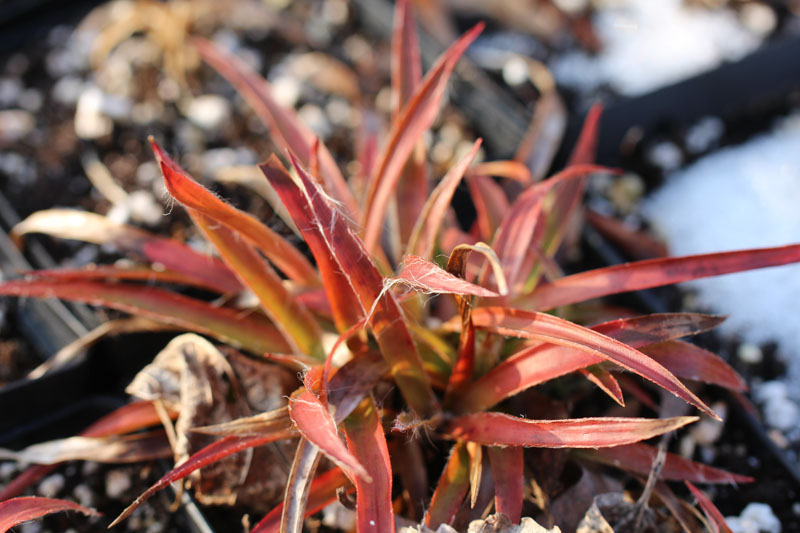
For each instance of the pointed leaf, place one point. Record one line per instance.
(112, 273)
(644, 330)
(638, 458)
(508, 469)
(427, 227)
(385, 318)
(286, 128)
(692, 362)
(451, 489)
(491, 204)
(367, 442)
(344, 304)
(90, 227)
(193, 195)
(249, 331)
(416, 117)
(499, 429)
(605, 381)
(654, 273)
(425, 276)
(208, 455)
(710, 510)
(406, 64)
(317, 425)
(277, 420)
(547, 328)
(322, 492)
(513, 170)
(294, 321)
(18, 510)
(584, 151)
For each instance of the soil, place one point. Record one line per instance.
(50, 173)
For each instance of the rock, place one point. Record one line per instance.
(117, 483)
(755, 518)
(15, 124)
(50, 486)
(781, 413)
(84, 494)
(496, 523)
(208, 111)
(704, 134)
(749, 353)
(90, 122)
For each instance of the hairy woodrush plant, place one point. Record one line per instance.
(441, 334)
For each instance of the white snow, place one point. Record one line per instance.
(649, 44)
(756, 518)
(742, 197)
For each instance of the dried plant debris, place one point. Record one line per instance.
(192, 377)
(496, 523)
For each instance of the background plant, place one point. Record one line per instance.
(408, 367)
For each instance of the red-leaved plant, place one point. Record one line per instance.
(462, 365)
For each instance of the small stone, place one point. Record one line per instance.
(15, 124)
(10, 90)
(30, 527)
(770, 391)
(315, 119)
(67, 90)
(515, 71)
(209, 111)
(665, 155)
(704, 134)
(144, 208)
(286, 90)
(337, 516)
(90, 123)
(626, 192)
(750, 354)
(117, 482)
(31, 100)
(781, 413)
(89, 468)
(7, 469)
(50, 486)
(83, 494)
(758, 18)
(708, 430)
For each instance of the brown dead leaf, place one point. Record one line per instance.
(496, 523)
(192, 377)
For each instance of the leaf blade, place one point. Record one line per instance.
(18, 510)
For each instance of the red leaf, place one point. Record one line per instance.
(316, 424)
(18, 510)
(499, 429)
(427, 227)
(249, 331)
(425, 276)
(287, 130)
(584, 151)
(491, 204)
(344, 304)
(208, 455)
(692, 362)
(294, 321)
(508, 470)
(605, 381)
(644, 330)
(638, 458)
(321, 493)
(385, 319)
(451, 489)
(112, 273)
(654, 273)
(710, 510)
(513, 170)
(193, 195)
(367, 442)
(416, 117)
(547, 328)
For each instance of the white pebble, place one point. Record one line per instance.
(708, 430)
(83, 494)
(758, 18)
(31, 100)
(51, 485)
(771, 391)
(67, 90)
(7, 469)
(749, 353)
(90, 123)
(286, 90)
(515, 71)
(209, 111)
(117, 482)
(665, 155)
(781, 414)
(30, 527)
(144, 208)
(315, 119)
(15, 124)
(10, 89)
(755, 518)
(704, 134)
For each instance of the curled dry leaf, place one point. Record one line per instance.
(194, 378)
(114, 449)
